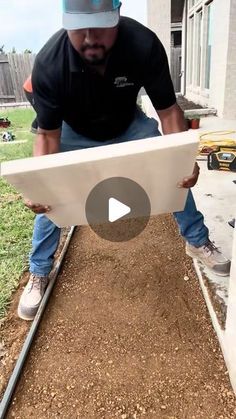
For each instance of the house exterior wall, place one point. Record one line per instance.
(219, 55)
(159, 18)
(229, 110)
(221, 93)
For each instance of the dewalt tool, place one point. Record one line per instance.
(224, 158)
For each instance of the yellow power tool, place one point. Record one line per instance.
(224, 158)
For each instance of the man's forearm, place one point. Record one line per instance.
(172, 120)
(46, 143)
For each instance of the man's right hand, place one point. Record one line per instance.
(37, 208)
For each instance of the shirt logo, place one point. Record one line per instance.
(122, 82)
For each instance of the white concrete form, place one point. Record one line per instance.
(64, 180)
(229, 342)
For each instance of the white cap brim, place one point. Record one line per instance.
(73, 21)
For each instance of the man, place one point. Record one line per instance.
(85, 82)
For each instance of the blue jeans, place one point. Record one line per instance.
(46, 234)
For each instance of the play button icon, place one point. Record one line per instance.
(118, 209)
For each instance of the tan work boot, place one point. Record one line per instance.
(32, 296)
(210, 255)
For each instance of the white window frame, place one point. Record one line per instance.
(193, 61)
(205, 43)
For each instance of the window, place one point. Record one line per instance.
(198, 57)
(208, 46)
(177, 38)
(199, 52)
(190, 50)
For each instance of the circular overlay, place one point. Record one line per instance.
(118, 209)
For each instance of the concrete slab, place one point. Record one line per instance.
(200, 112)
(65, 180)
(215, 196)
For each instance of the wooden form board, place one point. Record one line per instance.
(64, 180)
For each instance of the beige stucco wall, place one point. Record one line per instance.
(158, 19)
(229, 110)
(221, 20)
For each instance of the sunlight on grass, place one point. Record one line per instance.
(16, 221)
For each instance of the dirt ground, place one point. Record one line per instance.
(126, 335)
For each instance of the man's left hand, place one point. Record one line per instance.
(190, 181)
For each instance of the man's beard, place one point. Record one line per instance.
(94, 59)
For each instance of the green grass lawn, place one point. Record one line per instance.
(16, 221)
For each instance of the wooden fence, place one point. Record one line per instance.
(14, 69)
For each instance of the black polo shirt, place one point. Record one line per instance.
(100, 107)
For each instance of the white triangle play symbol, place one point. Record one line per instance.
(117, 210)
